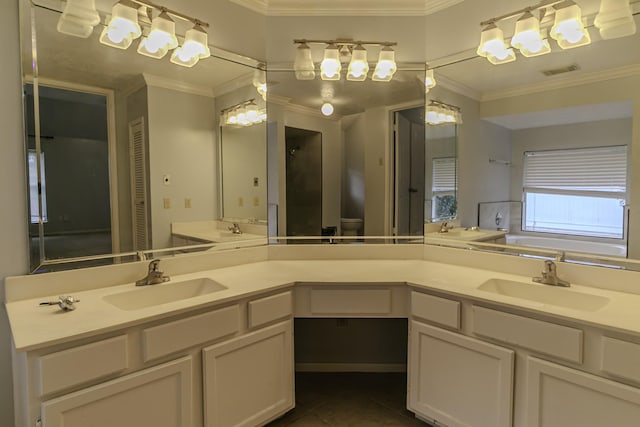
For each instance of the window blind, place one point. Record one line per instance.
(602, 169)
(444, 174)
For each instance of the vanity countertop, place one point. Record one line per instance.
(462, 234)
(34, 326)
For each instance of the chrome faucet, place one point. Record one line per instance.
(235, 229)
(154, 276)
(550, 276)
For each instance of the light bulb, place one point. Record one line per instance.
(528, 37)
(194, 48)
(330, 66)
(327, 109)
(252, 113)
(386, 66)
(493, 47)
(122, 28)
(567, 29)
(161, 38)
(429, 80)
(358, 67)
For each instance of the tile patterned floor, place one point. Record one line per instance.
(349, 400)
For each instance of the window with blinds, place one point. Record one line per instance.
(34, 192)
(443, 188)
(578, 191)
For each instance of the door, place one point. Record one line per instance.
(409, 173)
(249, 380)
(155, 397)
(138, 168)
(303, 182)
(459, 381)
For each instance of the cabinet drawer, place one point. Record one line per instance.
(621, 358)
(543, 337)
(165, 339)
(268, 309)
(351, 301)
(67, 368)
(436, 309)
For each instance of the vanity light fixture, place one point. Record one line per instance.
(243, 114)
(531, 40)
(78, 18)
(568, 29)
(123, 26)
(429, 80)
(440, 113)
(342, 52)
(161, 38)
(615, 19)
(327, 109)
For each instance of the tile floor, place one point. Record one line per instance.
(349, 399)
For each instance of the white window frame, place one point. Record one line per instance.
(599, 172)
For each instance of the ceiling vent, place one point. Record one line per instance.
(555, 71)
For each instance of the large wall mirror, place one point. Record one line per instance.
(548, 152)
(128, 153)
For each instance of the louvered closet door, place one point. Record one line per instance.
(139, 184)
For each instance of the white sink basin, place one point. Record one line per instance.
(152, 295)
(545, 294)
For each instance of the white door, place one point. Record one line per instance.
(560, 396)
(155, 397)
(459, 381)
(249, 380)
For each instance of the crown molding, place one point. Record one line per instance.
(568, 81)
(346, 7)
(162, 82)
(458, 88)
(285, 102)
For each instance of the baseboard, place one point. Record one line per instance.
(351, 367)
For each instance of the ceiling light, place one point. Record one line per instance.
(327, 109)
(429, 80)
(161, 38)
(615, 19)
(303, 65)
(358, 67)
(386, 66)
(194, 48)
(528, 38)
(493, 47)
(78, 18)
(330, 66)
(123, 26)
(568, 29)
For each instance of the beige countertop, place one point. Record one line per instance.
(34, 326)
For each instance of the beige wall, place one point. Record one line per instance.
(13, 215)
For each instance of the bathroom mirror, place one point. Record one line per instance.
(563, 107)
(356, 149)
(130, 149)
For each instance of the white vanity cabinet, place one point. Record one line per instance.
(224, 366)
(454, 379)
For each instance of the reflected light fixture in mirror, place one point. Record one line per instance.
(78, 18)
(441, 113)
(429, 80)
(344, 51)
(259, 81)
(327, 109)
(245, 113)
(615, 19)
(568, 29)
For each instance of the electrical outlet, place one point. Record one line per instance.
(166, 179)
(187, 202)
(256, 181)
(240, 201)
(167, 203)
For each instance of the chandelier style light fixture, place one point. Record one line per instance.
(351, 54)
(243, 114)
(124, 26)
(614, 20)
(441, 113)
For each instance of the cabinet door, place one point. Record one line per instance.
(457, 380)
(249, 380)
(155, 397)
(560, 396)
